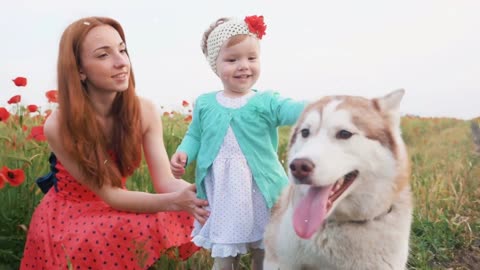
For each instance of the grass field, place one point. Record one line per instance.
(445, 181)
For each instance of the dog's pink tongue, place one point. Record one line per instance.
(310, 211)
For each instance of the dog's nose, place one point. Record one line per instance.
(302, 168)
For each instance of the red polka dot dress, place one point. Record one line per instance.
(74, 229)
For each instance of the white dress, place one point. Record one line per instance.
(238, 211)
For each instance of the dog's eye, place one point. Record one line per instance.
(343, 134)
(305, 132)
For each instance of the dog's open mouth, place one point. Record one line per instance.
(311, 211)
(340, 186)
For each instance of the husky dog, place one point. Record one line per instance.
(348, 204)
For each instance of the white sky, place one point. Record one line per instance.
(431, 48)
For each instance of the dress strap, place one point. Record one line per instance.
(47, 181)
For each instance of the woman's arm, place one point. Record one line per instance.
(159, 164)
(121, 199)
(155, 152)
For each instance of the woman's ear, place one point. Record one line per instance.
(83, 77)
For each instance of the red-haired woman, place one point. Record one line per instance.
(90, 220)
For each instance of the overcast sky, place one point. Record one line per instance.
(431, 48)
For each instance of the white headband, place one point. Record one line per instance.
(252, 25)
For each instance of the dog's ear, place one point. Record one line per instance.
(391, 102)
(389, 106)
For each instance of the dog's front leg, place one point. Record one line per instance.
(270, 265)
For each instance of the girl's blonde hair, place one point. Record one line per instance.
(230, 42)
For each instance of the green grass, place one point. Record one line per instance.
(445, 173)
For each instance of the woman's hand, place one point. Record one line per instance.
(187, 200)
(178, 163)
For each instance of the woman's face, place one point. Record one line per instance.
(105, 65)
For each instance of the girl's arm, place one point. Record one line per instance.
(191, 141)
(286, 110)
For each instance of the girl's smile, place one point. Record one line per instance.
(238, 66)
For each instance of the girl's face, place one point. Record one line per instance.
(238, 66)
(105, 65)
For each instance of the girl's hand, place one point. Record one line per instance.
(178, 163)
(187, 201)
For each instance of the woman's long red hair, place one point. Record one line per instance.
(82, 135)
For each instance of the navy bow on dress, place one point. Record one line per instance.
(47, 181)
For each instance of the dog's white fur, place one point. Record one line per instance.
(368, 226)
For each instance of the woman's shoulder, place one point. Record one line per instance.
(51, 125)
(52, 131)
(147, 107)
(148, 113)
(146, 104)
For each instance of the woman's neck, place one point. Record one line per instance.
(102, 103)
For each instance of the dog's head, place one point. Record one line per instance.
(347, 160)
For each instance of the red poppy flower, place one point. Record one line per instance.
(4, 114)
(185, 103)
(13, 177)
(32, 108)
(188, 118)
(15, 99)
(256, 25)
(52, 95)
(20, 81)
(2, 181)
(37, 134)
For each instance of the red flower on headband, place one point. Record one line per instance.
(256, 25)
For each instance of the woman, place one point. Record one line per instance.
(90, 221)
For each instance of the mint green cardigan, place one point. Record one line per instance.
(255, 126)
